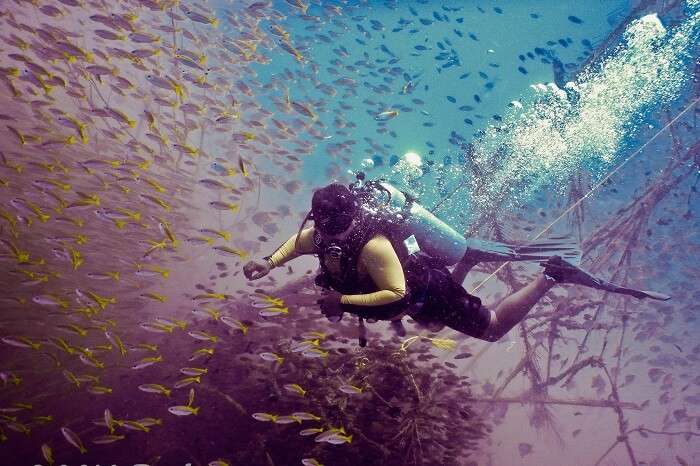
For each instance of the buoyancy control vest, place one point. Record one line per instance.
(339, 270)
(377, 215)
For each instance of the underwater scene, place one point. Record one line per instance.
(283, 232)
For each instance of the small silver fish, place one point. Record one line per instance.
(72, 438)
(264, 417)
(105, 439)
(350, 389)
(183, 410)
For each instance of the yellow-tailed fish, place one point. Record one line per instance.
(311, 462)
(109, 438)
(272, 357)
(155, 245)
(166, 230)
(208, 312)
(218, 462)
(135, 425)
(312, 335)
(157, 327)
(62, 344)
(71, 377)
(194, 371)
(315, 353)
(104, 275)
(91, 361)
(273, 311)
(287, 420)
(150, 421)
(186, 381)
(155, 388)
(99, 390)
(295, 388)
(148, 346)
(202, 352)
(155, 296)
(234, 324)
(225, 206)
(228, 251)
(199, 335)
(183, 410)
(109, 420)
(72, 328)
(350, 389)
(265, 417)
(218, 296)
(76, 258)
(116, 341)
(303, 415)
(242, 166)
(145, 362)
(173, 322)
(72, 438)
(21, 342)
(157, 201)
(269, 299)
(101, 302)
(47, 453)
(223, 234)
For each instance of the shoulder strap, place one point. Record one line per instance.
(353, 246)
(349, 281)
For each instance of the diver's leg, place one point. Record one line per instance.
(514, 307)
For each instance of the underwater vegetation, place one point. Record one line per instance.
(149, 147)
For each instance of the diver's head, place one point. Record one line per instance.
(333, 208)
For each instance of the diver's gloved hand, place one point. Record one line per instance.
(254, 269)
(331, 307)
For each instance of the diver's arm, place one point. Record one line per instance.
(383, 265)
(287, 251)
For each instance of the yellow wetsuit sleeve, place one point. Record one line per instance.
(287, 251)
(381, 262)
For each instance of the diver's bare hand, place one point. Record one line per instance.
(254, 270)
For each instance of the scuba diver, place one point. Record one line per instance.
(383, 256)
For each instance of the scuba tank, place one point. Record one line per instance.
(409, 221)
(420, 230)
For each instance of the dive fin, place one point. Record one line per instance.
(565, 272)
(479, 250)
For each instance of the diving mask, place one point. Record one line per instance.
(333, 208)
(333, 224)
